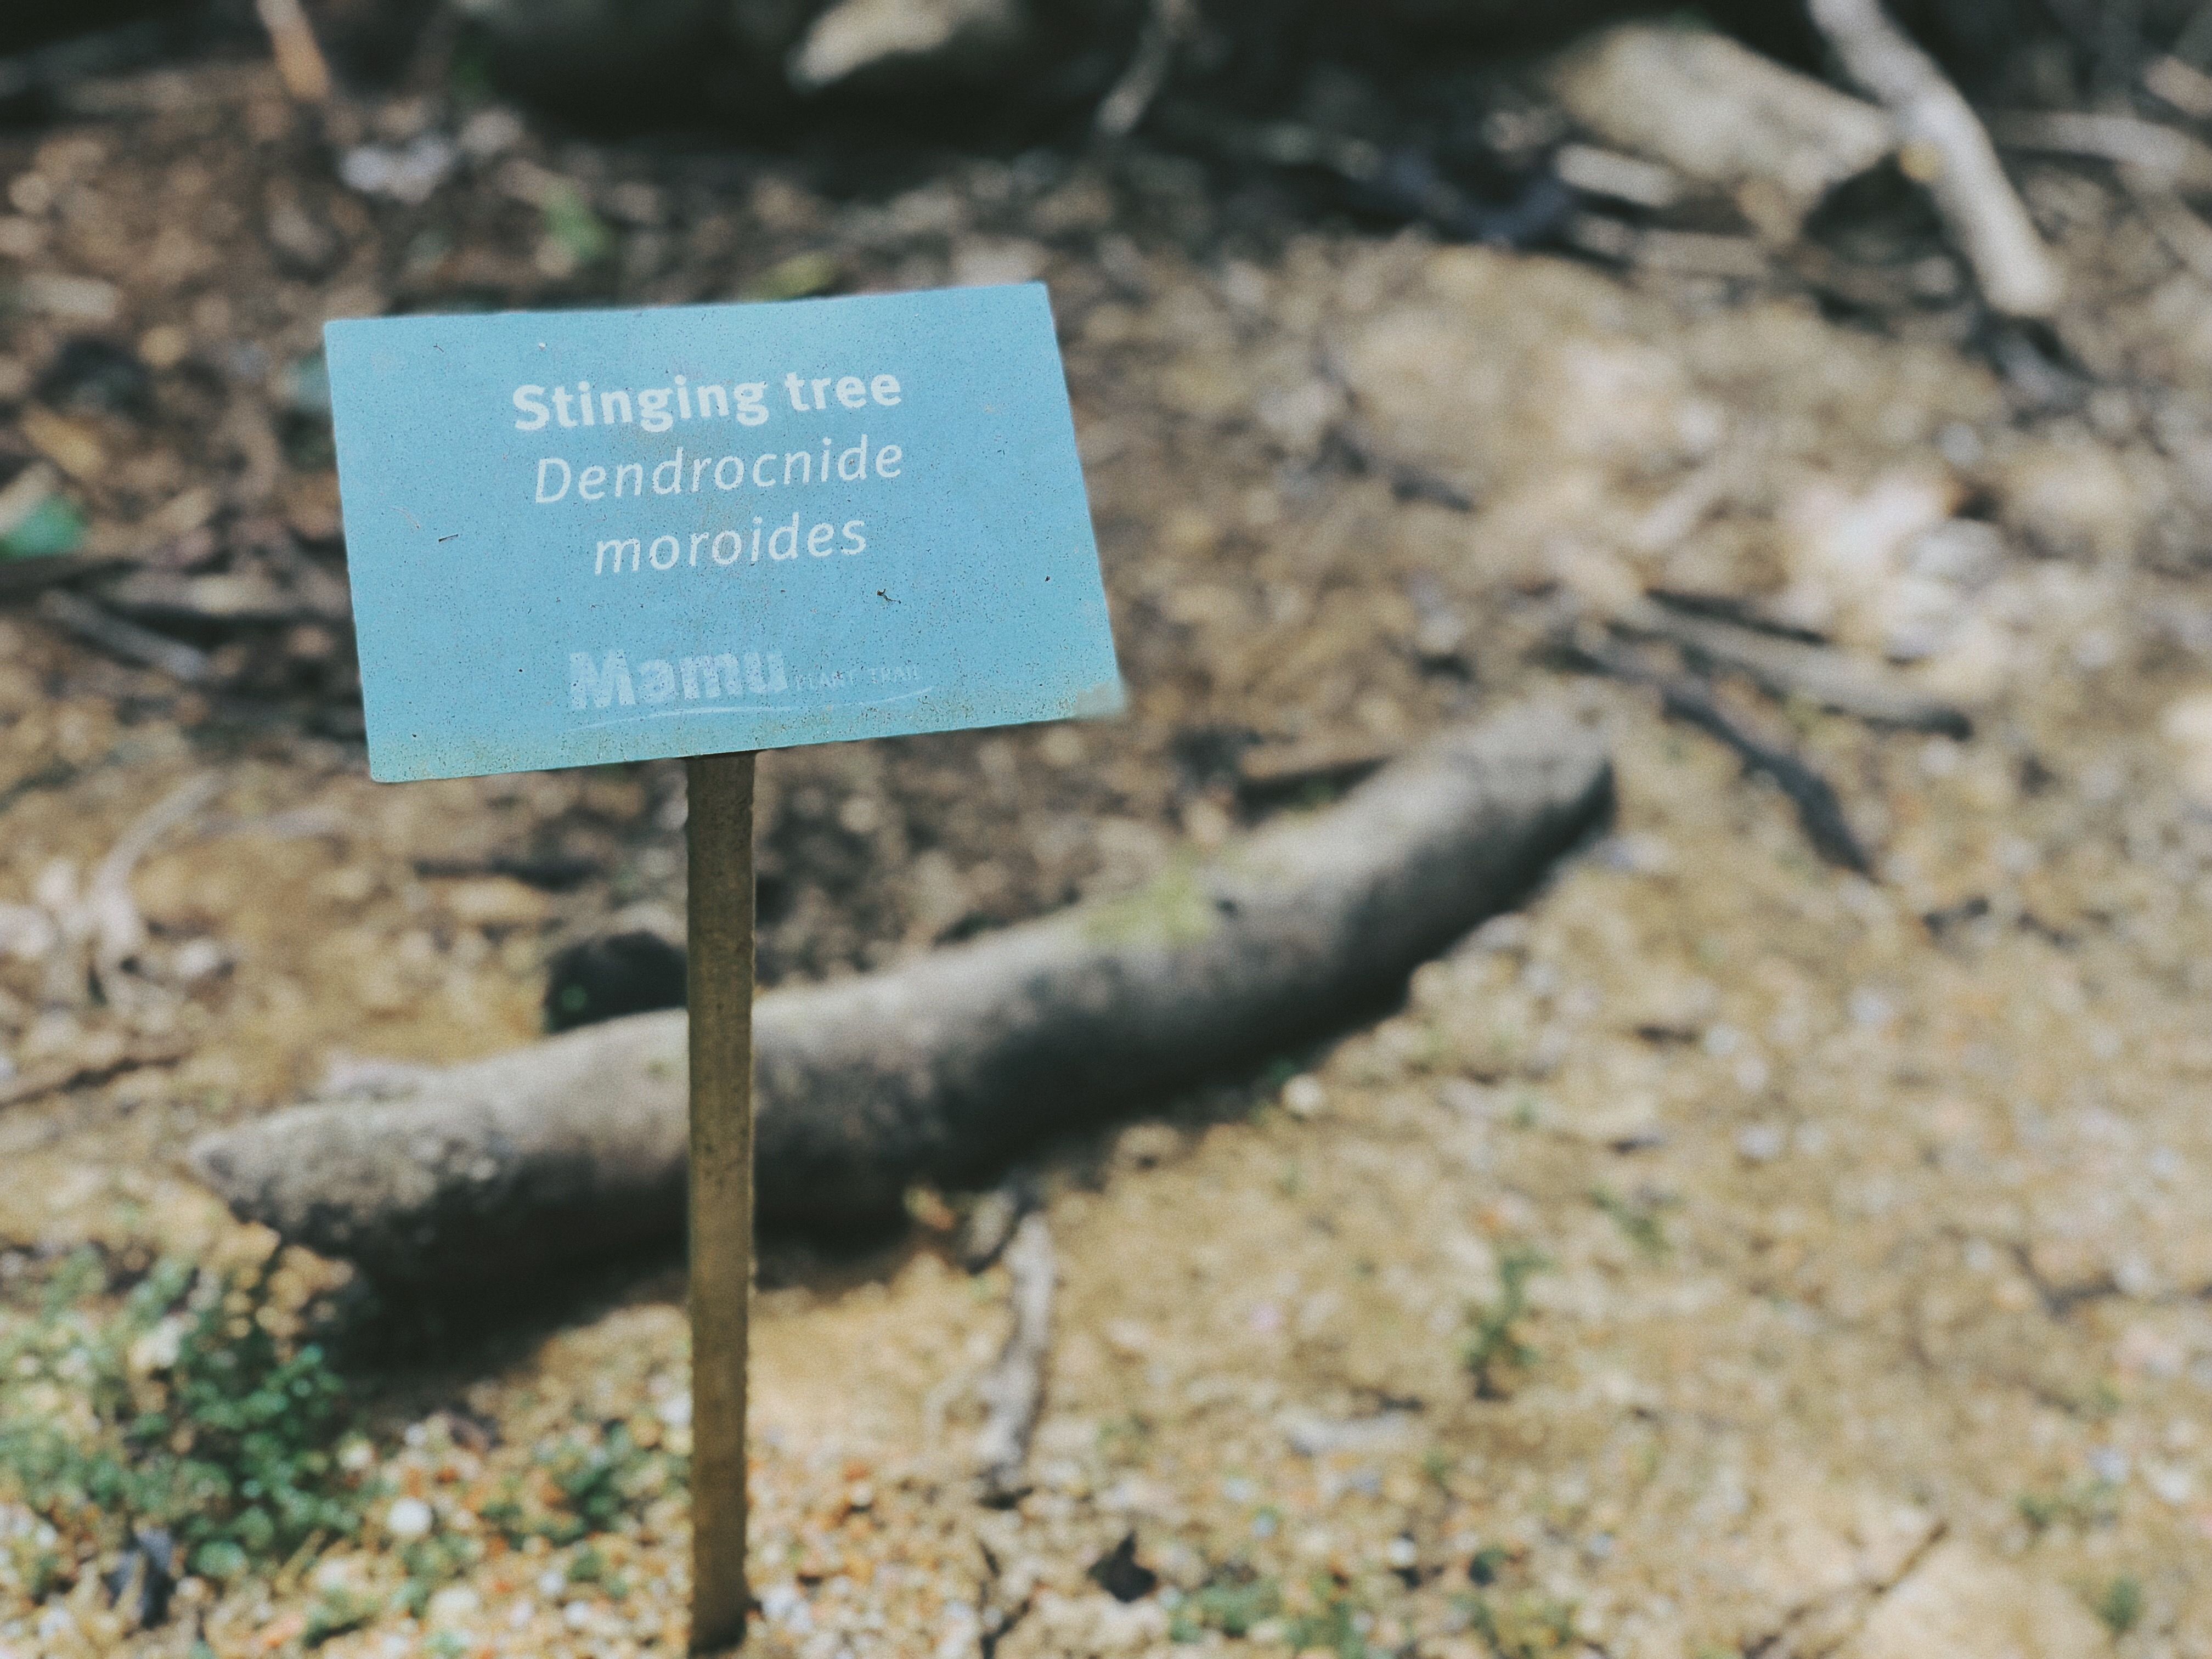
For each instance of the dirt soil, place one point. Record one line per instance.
(1864, 1226)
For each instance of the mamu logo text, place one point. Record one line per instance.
(609, 680)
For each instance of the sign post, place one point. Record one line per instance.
(719, 919)
(595, 537)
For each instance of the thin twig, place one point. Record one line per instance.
(1168, 24)
(81, 617)
(76, 1074)
(1819, 810)
(1013, 1389)
(1792, 668)
(1947, 148)
(108, 916)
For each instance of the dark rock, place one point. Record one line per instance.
(145, 1578)
(369, 40)
(1121, 1575)
(611, 62)
(613, 975)
(92, 373)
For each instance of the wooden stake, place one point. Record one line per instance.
(719, 838)
(299, 61)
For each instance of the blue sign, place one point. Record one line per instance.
(578, 537)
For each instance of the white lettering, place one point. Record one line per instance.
(599, 685)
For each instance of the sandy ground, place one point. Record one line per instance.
(1862, 1224)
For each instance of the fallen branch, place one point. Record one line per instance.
(2175, 160)
(1792, 668)
(1819, 810)
(1947, 150)
(933, 1071)
(2184, 86)
(74, 614)
(1012, 1391)
(1718, 113)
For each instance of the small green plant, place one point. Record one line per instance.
(794, 278)
(2080, 1504)
(1339, 1626)
(1487, 1563)
(191, 1404)
(2121, 1605)
(336, 1612)
(432, 1562)
(1638, 1220)
(582, 1485)
(1526, 1627)
(1494, 1345)
(1233, 1601)
(51, 527)
(1124, 1439)
(570, 221)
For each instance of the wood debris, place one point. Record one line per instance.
(299, 60)
(1820, 809)
(1012, 1391)
(1786, 667)
(1720, 115)
(1947, 150)
(576, 1144)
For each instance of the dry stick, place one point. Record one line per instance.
(21, 578)
(70, 1074)
(2155, 164)
(1820, 811)
(2175, 159)
(1167, 23)
(110, 912)
(1942, 138)
(719, 836)
(1012, 1391)
(2183, 85)
(935, 1070)
(1792, 668)
(2187, 236)
(81, 617)
(300, 60)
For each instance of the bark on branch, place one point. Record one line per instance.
(927, 1071)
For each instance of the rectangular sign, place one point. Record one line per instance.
(578, 537)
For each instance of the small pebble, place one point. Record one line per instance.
(408, 1518)
(1760, 1143)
